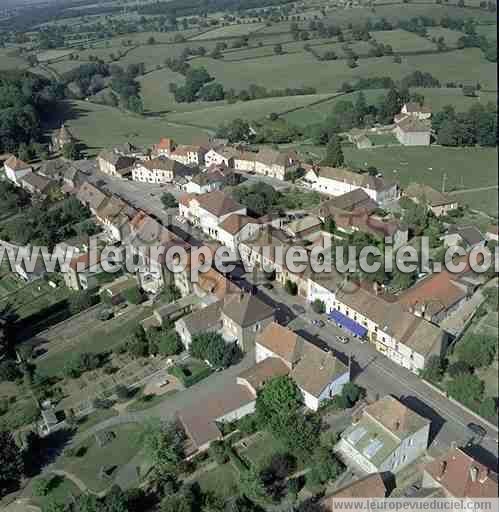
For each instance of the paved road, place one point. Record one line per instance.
(381, 376)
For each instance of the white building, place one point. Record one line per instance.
(339, 181)
(189, 155)
(16, 169)
(421, 112)
(209, 210)
(387, 437)
(318, 374)
(222, 155)
(157, 170)
(205, 182)
(410, 131)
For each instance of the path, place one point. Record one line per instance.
(476, 189)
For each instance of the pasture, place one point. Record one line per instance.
(450, 36)
(239, 30)
(403, 41)
(49, 55)
(99, 126)
(11, 59)
(250, 110)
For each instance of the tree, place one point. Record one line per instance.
(164, 445)
(210, 346)
(133, 295)
(235, 131)
(252, 486)
(467, 389)
(168, 200)
(9, 371)
(81, 300)
(352, 393)
(291, 287)
(42, 486)
(330, 225)
(213, 91)
(334, 154)
(218, 450)
(326, 466)
(11, 463)
(477, 350)
(318, 306)
(278, 49)
(433, 370)
(458, 368)
(122, 392)
(71, 151)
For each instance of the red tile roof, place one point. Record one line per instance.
(371, 486)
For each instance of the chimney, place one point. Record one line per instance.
(443, 469)
(484, 474)
(473, 473)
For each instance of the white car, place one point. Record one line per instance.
(362, 341)
(342, 339)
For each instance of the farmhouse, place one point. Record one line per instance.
(90, 196)
(269, 162)
(115, 164)
(165, 147)
(460, 476)
(115, 214)
(219, 155)
(439, 203)
(338, 181)
(410, 131)
(15, 169)
(205, 182)
(158, 170)
(189, 155)
(209, 210)
(354, 201)
(387, 437)
(468, 237)
(318, 374)
(35, 183)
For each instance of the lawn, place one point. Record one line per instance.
(485, 200)
(118, 452)
(403, 41)
(8, 283)
(260, 450)
(299, 69)
(222, 481)
(249, 111)
(489, 31)
(383, 140)
(450, 36)
(62, 491)
(98, 416)
(229, 31)
(147, 401)
(99, 126)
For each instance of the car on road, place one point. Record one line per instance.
(412, 491)
(268, 286)
(477, 429)
(318, 323)
(362, 340)
(343, 339)
(298, 308)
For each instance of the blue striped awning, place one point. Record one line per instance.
(346, 322)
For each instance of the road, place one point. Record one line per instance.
(380, 376)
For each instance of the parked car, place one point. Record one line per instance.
(343, 339)
(268, 286)
(362, 340)
(298, 308)
(477, 429)
(318, 323)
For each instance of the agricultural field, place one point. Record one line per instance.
(10, 59)
(435, 98)
(403, 41)
(229, 31)
(489, 31)
(450, 36)
(250, 110)
(99, 126)
(49, 55)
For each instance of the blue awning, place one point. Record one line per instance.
(347, 323)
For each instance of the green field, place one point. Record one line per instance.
(229, 31)
(295, 70)
(403, 41)
(250, 110)
(99, 126)
(489, 31)
(62, 491)
(221, 481)
(10, 59)
(48, 55)
(117, 453)
(435, 98)
(450, 36)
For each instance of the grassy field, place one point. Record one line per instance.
(435, 98)
(10, 59)
(222, 481)
(260, 451)
(450, 36)
(62, 491)
(229, 31)
(489, 31)
(481, 200)
(295, 70)
(52, 54)
(403, 41)
(114, 454)
(250, 110)
(99, 126)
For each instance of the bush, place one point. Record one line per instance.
(218, 450)
(41, 487)
(133, 295)
(318, 306)
(291, 287)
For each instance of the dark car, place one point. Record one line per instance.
(318, 323)
(299, 309)
(268, 286)
(477, 429)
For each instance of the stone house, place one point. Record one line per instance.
(16, 169)
(439, 203)
(387, 437)
(37, 184)
(410, 131)
(189, 155)
(158, 170)
(114, 164)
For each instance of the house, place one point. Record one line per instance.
(492, 233)
(206, 319)
(35, 183)
(301, 228)
(213, 286)
(410, 131)
(89, 195)
(236, 229)
(245, 161)
(356, 200)
(436, 296)
(115, 215)
(113, 163)
(403, 337)
(221, 155)
(269, 162)
(387, 437)
(416, 110)
(189, 155)
(15, 169)
(30, 274)
(209, 210)
(370, 486)
(60, 138)
(439, 203)
(243, 317)
(57, 169)
(468, 237)
(318, 374)
(157, 170)
(205, 182)
(460, 476)
(131, 150)
(83, 271)
(165, 147)
(338, 181)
